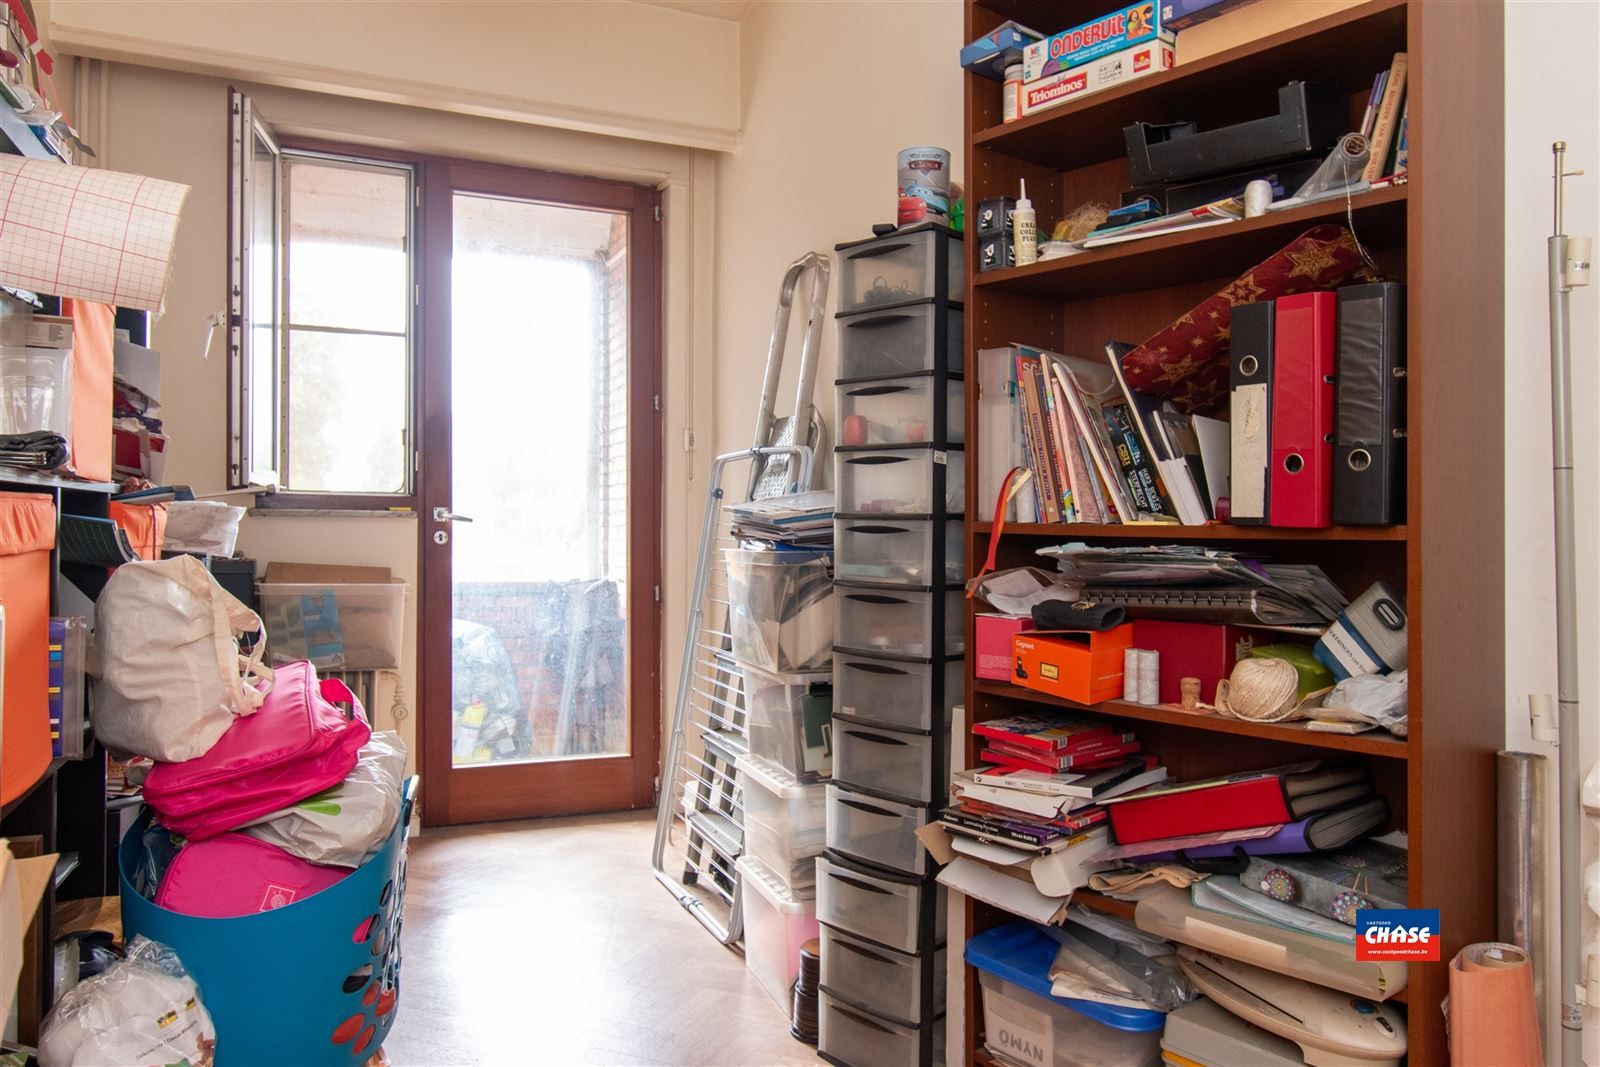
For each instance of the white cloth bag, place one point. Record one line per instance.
(171, 679)
(345, 825)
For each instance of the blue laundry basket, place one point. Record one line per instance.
(315, 983)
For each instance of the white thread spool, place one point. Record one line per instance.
(1149, 676)
(1130, 675)
(1257, 198)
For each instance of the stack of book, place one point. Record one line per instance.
(1041, 788)
(1304, 807)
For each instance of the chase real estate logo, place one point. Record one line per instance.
(1397, 934)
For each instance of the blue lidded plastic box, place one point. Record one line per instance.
(996, 50)
(1022, 1019)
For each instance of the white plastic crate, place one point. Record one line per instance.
(787, 720)
(783, 821)
(780, 608)
(776, 924)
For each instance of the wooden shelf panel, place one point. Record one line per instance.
(1147, 534)
(1372, 743)
(1188, 255)
(1344, 49)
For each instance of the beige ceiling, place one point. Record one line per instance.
(731, 10)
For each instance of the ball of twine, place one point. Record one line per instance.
(1260, 689)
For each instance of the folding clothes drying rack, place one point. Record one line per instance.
(700, 812)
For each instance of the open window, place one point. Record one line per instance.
(322, 293)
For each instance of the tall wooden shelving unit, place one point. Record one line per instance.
(1442, 234)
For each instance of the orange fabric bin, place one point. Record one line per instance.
(1080, 665)
(145, 525)
(27, 534)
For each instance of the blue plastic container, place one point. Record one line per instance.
(313, 984)
(1018, 956)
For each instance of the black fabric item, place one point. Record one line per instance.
(41, 450)
(1076, 615)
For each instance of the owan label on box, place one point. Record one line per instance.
(1103, 73)
(1397, 934)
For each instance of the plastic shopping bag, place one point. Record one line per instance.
(142, 1010)
(344, 825)
(170, 676)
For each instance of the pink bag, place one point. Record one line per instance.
(298, 744)
(235, 874)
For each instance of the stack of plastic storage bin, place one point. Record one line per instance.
(900, 485)
(781, 627)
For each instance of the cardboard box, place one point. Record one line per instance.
(993, 634)
(1252, 22)
(1203, 650)
(1079, 665)
(996, 253)
(1114, 69)
(1112, 32)
(996, 50)
(22, 885)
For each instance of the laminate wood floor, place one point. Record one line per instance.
(550, 942)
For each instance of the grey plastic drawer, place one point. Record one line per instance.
(899, 267)
(900, 340)
(902, 411)
(846, 1035)
(889, 984)
(900, 481)
(874, 830)
(888, 763)
(898, 693)
(898, 621)
(878, 907)
(898, 550)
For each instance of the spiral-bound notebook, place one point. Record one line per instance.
(1261, 606)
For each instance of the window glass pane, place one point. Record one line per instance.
(347, 245)
(539, 368)
(262, 396)
(347, 413)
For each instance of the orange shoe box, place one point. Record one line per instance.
(1080, 665)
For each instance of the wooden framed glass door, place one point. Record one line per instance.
(541, 485)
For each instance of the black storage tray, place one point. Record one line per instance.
(1311, 118)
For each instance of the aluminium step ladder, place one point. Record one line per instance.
(700, 815)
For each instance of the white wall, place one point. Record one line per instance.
(825, 112)
(1552, 92)
(174, 126)
(625, 69)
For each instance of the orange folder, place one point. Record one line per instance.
(27, 534)
(145, 525)
(93, 346)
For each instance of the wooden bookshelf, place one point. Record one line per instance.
(1441, 233)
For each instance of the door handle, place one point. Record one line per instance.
(446, 515)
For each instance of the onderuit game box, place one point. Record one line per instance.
(1103, 73)
(1124, 28)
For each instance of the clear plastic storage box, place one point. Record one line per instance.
(897, 550)
(847, 1035)
(776, 924)
(898, 693)
(780, 609)
(901, 266)
(889, 984)
(1013, 963)
(340, 625)
(886, 762)
(874, 830)
(901, 411)
(783, 821)
(900, 340)
(896, 621)
(900, 481)
(883, 908)
(786, 720)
